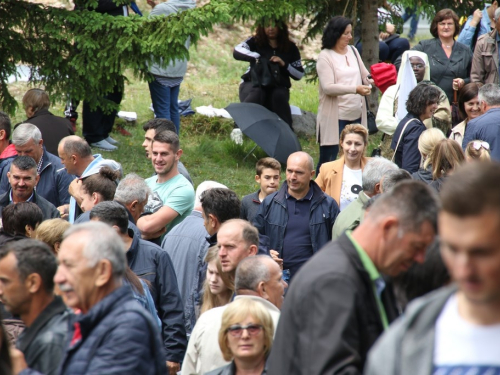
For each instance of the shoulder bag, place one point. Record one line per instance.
(400, 137)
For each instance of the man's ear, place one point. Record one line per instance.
(133, 205)
(3, 135)
(37, 178)
(213, 222)
(261, 290)
(104, 272)
(378, 189)
(178, 154)
(253, 250)
(33, 283)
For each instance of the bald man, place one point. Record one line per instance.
(298, 219)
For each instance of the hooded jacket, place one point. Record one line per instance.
(177, 67)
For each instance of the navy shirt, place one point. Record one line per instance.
(297, 246)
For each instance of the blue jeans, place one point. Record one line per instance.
(329, 153)
(411, 12)
(165, 102)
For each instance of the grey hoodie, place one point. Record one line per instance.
(178, 67)
(408, 346)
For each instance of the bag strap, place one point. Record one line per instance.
(359, 67)
(400, 137)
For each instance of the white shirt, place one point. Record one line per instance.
(463, 348)
(203, 352)
(351, 186)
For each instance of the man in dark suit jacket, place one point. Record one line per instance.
(339, 303)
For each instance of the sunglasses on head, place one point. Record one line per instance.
(478, 144)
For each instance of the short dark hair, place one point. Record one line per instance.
(33, 256)
(268, 162)
(159, 125)
(76, 146)
(333, 31)
(412, 202)
(168, 137)
(104, 183)
(224, 204)
(472, 189)
(466, 93)
(16, 216)
(420, 97)
(24, 163)
(442, 15)
(111, 213)
(5, 124)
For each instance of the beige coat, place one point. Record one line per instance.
(330, 177)
(327, 123)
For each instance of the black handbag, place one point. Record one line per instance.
(370, 120)
(265, 73)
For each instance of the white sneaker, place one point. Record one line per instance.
(111, 141)
(104, 145)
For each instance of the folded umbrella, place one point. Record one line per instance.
(266, 129)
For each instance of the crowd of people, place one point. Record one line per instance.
(352, 265)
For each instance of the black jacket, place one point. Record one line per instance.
(330, 318)
(152, 263)
(424, 175)
(43, 342)
(49, 211)
(53, 128)
(407, 156)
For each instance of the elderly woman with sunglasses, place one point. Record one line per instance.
(245, 337)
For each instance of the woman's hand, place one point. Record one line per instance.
(476, 17)
(151, 3)
(277, 59)
(458, 83)
(363, 90)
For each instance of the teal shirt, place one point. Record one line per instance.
(374, 277)
(177, 193)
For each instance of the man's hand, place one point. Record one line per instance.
(64, 211)
(173, 367)
(18, 362)
(74, 190)
(476, 17)
(275, 255)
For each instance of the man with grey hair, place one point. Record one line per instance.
(485, 63)
(257, 277)
(372, 175)
(486, 127)
(343, 286)
(187, 246)
(113, 333)
(298, 218)
(392, 177)
(133, 192)
(54, 180)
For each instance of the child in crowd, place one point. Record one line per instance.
(477, 150)
(267, 175)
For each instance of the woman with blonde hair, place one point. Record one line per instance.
(341, 179)
(426, 144)
(447, 156)
(477, 150)
(218, 287)
(245, 337)
(51, 232)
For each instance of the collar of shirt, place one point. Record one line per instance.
(27, 200)
(375, 276)
(39, 166)
(308, 196)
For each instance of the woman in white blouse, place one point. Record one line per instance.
(341, 75)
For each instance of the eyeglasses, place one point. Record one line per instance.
(418, 66)
(478, 144)
(237, 330)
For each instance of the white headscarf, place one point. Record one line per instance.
(407, 80)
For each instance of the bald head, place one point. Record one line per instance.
(299, 173)
(75, 154)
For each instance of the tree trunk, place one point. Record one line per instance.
(369, 36)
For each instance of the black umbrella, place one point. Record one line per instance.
(266, 129)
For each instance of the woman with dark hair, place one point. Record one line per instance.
(341, 75)
(422, 102)
(468, 105)
(450, 60)
(19, 221)
(99, 187)
(272, 43)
